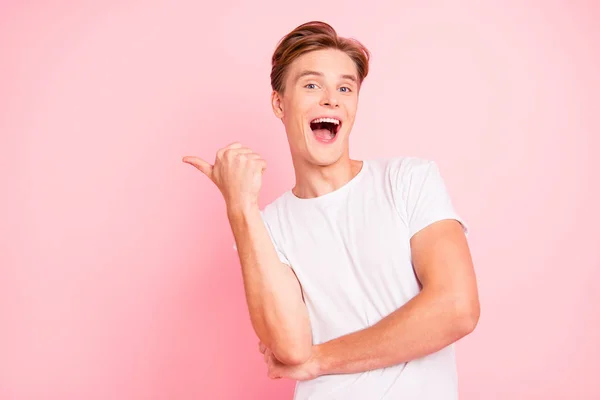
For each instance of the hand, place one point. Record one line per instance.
(237, 172)
(276, 370)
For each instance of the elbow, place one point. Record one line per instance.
(466, 315)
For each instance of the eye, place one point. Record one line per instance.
(345, 89)
(310, 86)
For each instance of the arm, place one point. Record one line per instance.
(444, 311)
(277, 311)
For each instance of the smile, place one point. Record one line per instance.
(325, 128)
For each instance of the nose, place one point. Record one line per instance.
(329, 99)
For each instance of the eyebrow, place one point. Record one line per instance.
(309, 73)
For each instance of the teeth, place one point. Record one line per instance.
(330, 120)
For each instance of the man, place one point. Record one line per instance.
(359, 279)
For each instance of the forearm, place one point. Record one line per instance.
(277, 311)
(424, 325)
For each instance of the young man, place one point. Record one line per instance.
(359, 279)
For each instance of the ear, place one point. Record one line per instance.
(277, 104)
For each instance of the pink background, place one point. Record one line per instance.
(117, 276)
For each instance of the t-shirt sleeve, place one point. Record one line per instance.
(427, 199)
(278, 250)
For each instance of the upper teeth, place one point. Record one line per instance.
(331, 120)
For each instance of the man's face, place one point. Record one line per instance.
(319, 105)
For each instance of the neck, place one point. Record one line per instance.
(314, 180)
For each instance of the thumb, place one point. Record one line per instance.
(199, 163)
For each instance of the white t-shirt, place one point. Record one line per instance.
(350, 250)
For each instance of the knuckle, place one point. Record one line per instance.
(228, 153)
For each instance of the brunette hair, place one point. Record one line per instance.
(311, 36)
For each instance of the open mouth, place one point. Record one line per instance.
(325, 129)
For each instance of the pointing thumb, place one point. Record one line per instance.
(199, 163)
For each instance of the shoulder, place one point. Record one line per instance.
(273, 211)
(410, 165)
(404, 170)
(400, 162)
(413, 181)
(275, 206)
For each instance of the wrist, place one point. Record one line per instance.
(318, 361)
(237, 210)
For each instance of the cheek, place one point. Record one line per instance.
(351, 108)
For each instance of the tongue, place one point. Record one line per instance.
(325, 134)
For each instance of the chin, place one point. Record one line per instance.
(314, 149)
(322, 153)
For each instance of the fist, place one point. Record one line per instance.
(301, 372)
(237, 172)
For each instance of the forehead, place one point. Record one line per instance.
(330, 62)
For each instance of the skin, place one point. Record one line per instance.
(319, 168)
(273, 295)
(446, 309)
